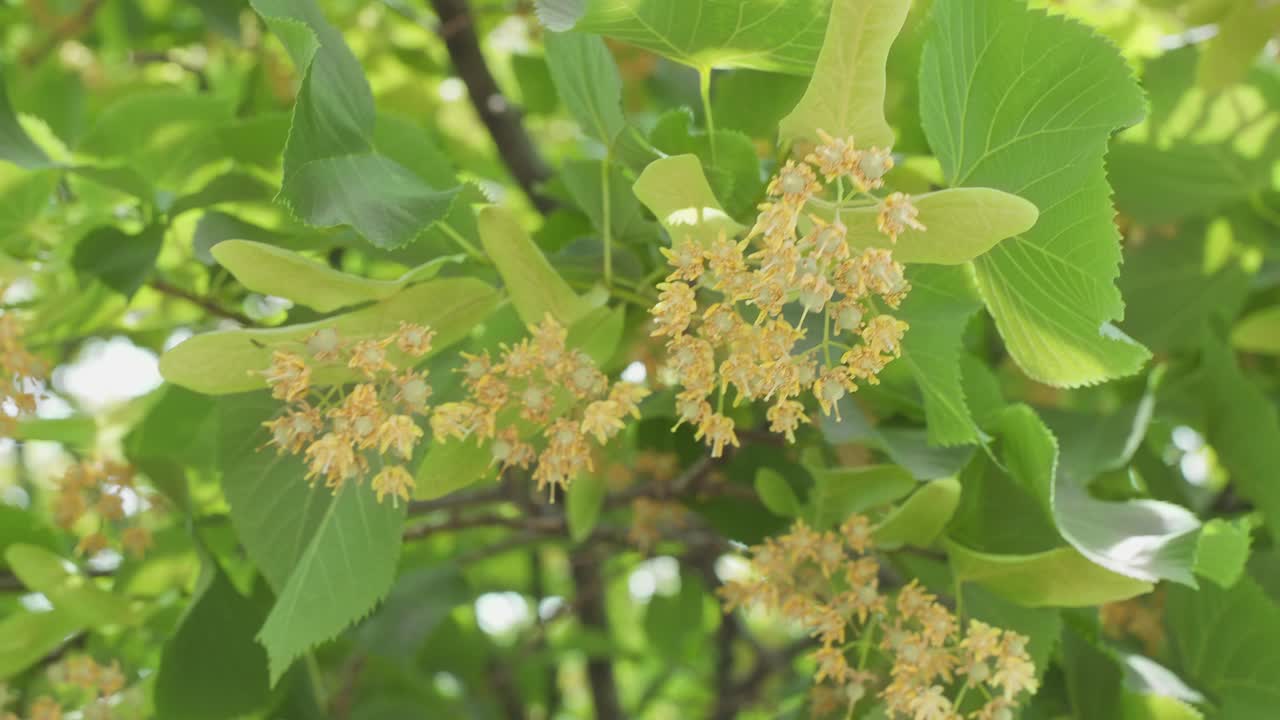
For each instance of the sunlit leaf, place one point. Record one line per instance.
(535, 287)
(676, 191)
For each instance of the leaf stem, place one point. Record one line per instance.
(704, 88)
(606, 221)
(463, 243)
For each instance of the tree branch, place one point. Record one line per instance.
(207, 304)
(591, 611)
(502, 119)
(69, 28)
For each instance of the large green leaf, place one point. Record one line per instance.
(348, 566)
(963, 224)
(587, 80)
(941, 302)
(274, 511)
(225, 361)
(846, 94)
(676, 191)
(1228, 644)
(272, 270)
(536, 289)
(1021, 101)
(760, 34)
(333, 175)
(211, 668)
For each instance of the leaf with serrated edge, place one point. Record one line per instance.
(1018, 100)
(586, 78)
(348, 566)
(228, 361)
(676, 191)
(846, 94)
(759, 34)
(273, 270)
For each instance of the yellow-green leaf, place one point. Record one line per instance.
(962, 224)
(227, 361)
(67, 589)
(1061, 577)
(534, 286)
(846, 94)
(273, 270)
(1259, 332)
(677, 192)
(921, 518)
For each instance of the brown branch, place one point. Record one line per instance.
(68, 29)
(584, 566)
(499, 115)
(207, 304)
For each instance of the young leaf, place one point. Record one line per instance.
(676, 191)
(586, 78)
(1021, 101)
(536, 289)
(225, 361)
(272, 270)
(963, 224)
(846, 94)
(69, 591)
(1054, 578)
(759, 34)
(920, 518)
(776, 493)
(27, 637)
(1222, 550)
(1258, 332)
(348, 566)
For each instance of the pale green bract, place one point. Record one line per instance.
(536, 289)
(676, 191)
(1014, 99)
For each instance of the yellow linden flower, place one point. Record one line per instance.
(785, 416)
(293, 431)
(896, 215)
(794, 183)
(359, 416)
(675, 308)
(82, 672)
(414, 339)
(1015, 673)
(869, 168)
(687, 259)
(110, 679)
(46, 708)
(333, 458)
(92, 544)
(370, 357)
(288, 376)
(933, 704)
(831, 664)
(509, 450)
(602, 419)
(393, 480)
(455, 420)
(718, 431)
(136, 540)
(324, 344)
(401, 433)
(833, 157)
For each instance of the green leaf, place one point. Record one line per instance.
(776, 493)
(584, 500)
(736, 105)
(676, 191)
(846, 94)
(1042, 626)
(921, 518)
(123, 262)
(673, 623)
(223, 362)
(1095, 680)
(598, 333)
(348, 566)
(841, 492)
(332, 173)
(536, 289)
(28, 637)
(1222, 550)
(68, 590)
(963, 224)
(587, 79)
(259, 482)
(1055, 578)
(22, 527)
(730, 159)
(450, 466)
(211, 668)
(16, 146)
(77, 431)
(1258, 332)
(1021, 101)
(1228, 644)
(1146, 706)
(941, 302)
(759, 34)
(272, 270)
(1231, 53)
(1243, 427)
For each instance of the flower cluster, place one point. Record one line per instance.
(734, 313)
(908, 649)
(539, 403)
(100, 490)
(342, 433)
(1140, 618)
(652, 520)
(93, 689)
(20, 373)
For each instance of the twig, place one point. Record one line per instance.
(502, 119)
(604, 687)
(459, 500)
(207, 304)
(71, 27)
